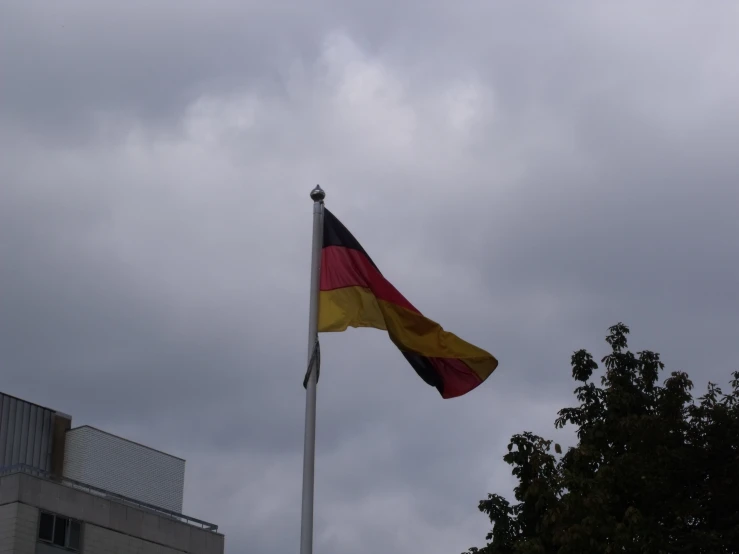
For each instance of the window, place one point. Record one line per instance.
(59, 531)
(46, 527)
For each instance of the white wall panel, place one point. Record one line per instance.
(117, 465)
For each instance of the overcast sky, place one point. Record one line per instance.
(525, 173)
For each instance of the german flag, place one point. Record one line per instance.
(353, 293)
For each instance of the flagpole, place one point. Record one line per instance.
(309, 447)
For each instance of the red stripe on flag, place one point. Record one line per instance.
(346, 267)
(457, 377)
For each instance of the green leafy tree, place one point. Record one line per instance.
(654, 471)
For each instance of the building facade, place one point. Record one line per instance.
(85, 490)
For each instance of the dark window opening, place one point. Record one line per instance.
(60, 531)
(46, 527)
(74, 535)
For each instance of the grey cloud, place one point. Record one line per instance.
(526, 178)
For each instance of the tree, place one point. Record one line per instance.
(653, 470)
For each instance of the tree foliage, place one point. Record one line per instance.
(654, 471)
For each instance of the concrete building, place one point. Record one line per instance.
(84, 490)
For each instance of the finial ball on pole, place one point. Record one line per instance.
(317, 194)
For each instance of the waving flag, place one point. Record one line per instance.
(354, 293)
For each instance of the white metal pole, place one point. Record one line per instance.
(309, 448)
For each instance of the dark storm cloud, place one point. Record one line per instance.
(527, 175)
